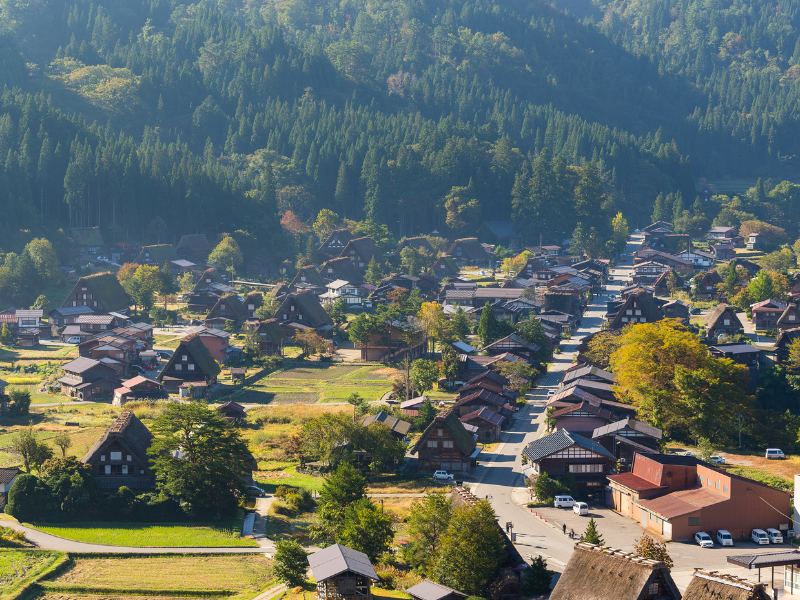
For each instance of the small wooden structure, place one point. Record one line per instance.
(342, 573)
(238, 375)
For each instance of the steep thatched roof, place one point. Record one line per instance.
(128, 430)
(598, 573)
(711, 585)
(464, 441)
(720, 310)
(106, 289)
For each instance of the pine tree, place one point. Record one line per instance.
(488, 326)
(592, 535)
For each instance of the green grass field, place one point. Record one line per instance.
(19, 568)
(154, 577)
(319, 383)
(152, 534)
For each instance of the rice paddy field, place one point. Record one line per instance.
(239, 577)
(19, 568)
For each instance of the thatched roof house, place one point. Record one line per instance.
(599, 573)
(710, 585)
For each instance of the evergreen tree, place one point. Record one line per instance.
(592, 535)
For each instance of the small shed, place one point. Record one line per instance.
(232, 411)
(342, 573)
(238, 375)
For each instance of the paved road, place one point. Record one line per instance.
(499, 475)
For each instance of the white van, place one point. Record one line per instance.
(724, 537)
(775, 536)
(581, 509)
(774, 454)
(759, 536)
(564, 502)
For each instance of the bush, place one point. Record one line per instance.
(29, 499)
(9, 538)
(546, 488)
(290, 562)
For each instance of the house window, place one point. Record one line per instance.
(184, 358)
(433, 444)
(116, 456)
(440, 432)
(585, 468)
(694, 521)
(791, 317)
(727, 322)
(102, 458)
(638, 312)
(179, 367)
(191, 367)
(654, 589)
(129, 458)
(107, 470)
(251, 307)
(124, 469)
(447, 443)
(629, 312)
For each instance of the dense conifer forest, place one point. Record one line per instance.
(152, 118)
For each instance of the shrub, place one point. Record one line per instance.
(9, 538)
(290, 562)
(546, 488)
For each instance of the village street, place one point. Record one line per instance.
(539, 531)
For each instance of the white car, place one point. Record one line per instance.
(717, 460)
(442, 476)
(581, 509)
(774, 454)
(775, 536)
(703, 539)
(73, 339)
(550, 393)
(724, 537)
(759, 536)
(564, 502)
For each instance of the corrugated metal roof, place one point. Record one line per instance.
(337, 559)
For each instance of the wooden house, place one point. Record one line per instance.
(270, 335)
(190, 363)
(157, 254)
(119, 457)
(360, 251)
(303, 311)
(7, 478)
(582, 418)
(341, 268)
(563, 453)
(233, 411)
(334, 244)
(722, 322)
(588, 372)
(704, 285)
(216, 341)
(194, 247)
(638, 306)
(398, 427)
(712, 585)
(790, 317)
(444, 267)
(599, 573)
(723, 232)
(395, 341)
(138, 388)
(101, 292)
(517, 345)
(446, 444)
(766, 314)
(342, 573)
(419, 242)
(626, 437)
(64, 316)
(88, 379)
(229, 310)
(675, 309)
(308, 277)
(470, 251)
(754, 241)
(488, 423)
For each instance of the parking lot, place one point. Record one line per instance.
(619, 532)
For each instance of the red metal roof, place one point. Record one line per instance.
(682, 503)
(634, 482)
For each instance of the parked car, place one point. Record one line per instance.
(165, 354)
(442, 476)
(759, 536)
(774, 454)
(724, 537)
(703, 540)
(580, 509)
(254, 490)
(717, 460)
(73, 339)
(550, 393)
(564, 502)
(775, 536)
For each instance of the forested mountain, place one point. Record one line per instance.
(222, 115)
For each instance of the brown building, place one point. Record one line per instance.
(191, 363)
(704, 285)
(487, 421)
(229, 310)
(627, 437)
(722, 586)
(360, 251)
(101, 292)
(563, 453)
(88, 379)
(598, 573)
(303, 311)
(342, 573)
(469, 251)
(398, 427)
(270, 333)
(446, 444)
(393, 342)
(637, 307)
(766, 314)
(428, 590)
(336, 242)
(722, 321)
(216, 341)
(138, 388)
(789, 318)
(677, 496)
(120, 456)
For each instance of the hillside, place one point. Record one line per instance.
(223, 115)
